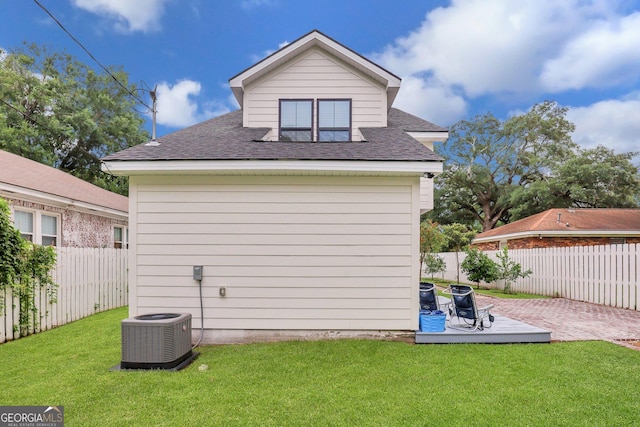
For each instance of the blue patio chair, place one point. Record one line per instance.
(429, 300)
(464, 309)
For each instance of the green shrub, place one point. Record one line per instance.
(479, 267)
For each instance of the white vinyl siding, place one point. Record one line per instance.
(292, 252)
(426, 195)
(316, 75)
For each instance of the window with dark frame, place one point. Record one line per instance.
(334, 120)
(296, 120)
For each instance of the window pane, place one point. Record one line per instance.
(295, 114)
(23, 221)
(334, 135)
(296, 135)
(334, 114)
(49, 225)
(48, 241)
(117, 234)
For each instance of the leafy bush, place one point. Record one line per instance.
(434, 264)
(509, 270)
(479, 267)
(24, 268)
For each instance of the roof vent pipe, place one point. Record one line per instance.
(559, 215)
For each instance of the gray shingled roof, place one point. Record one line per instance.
(224, 138)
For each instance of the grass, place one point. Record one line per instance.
(344, 382)
(498, 293)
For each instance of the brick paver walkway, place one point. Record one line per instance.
(570, 320)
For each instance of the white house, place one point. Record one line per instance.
(303, 207)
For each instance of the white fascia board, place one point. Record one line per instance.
(207, 167)
(34, 196)
(568, 233)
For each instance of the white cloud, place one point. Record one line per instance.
(611, 123)
(178, 107)
(430, 100)
(485, 46)
(514, 50)
(257, 58)
(605, 55)
(129, 15)
(253, 4)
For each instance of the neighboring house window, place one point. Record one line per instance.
(296, 120)
(49, 230)
(37, 227)
(334, 120)
(23, 221)
(117, 237)
(120, 237)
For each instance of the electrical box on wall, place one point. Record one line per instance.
(197, 272)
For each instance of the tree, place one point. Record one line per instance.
(458, 238)
(433, 264)
(487, 160)
(431, 239)
(509, 270)
(593, 178)
(479, 267)
(58, 111)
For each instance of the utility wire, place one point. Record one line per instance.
(91, 55)
(29, 117)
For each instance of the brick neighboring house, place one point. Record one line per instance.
(51, 207)
(565, 227)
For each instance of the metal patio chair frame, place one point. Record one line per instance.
(465, 310)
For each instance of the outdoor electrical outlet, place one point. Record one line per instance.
(197, 272)
(223, 291)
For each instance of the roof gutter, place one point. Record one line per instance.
(271, 167)
(34, 196)
(541, 234)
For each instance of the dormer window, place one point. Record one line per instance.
(296, 120)
(334, 120)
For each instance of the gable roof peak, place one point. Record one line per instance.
(310, 40)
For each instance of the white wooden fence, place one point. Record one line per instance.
(604, 274)
(89, 280)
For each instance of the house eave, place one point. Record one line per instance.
(29, 195)
(428, 136)
(568, 233)
(272, 167)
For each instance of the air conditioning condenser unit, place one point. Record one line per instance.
(157, 341)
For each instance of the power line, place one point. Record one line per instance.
(32, 119)
(91, 55)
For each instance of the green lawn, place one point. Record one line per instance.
(498, 293)
(345, 382)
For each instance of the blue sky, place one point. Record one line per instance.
(456, 58)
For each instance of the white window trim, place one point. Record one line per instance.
(37, 226)
(125, 236)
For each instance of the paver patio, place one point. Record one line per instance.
(570, 320)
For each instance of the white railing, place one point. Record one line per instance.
(604, 274)
(89, 280)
